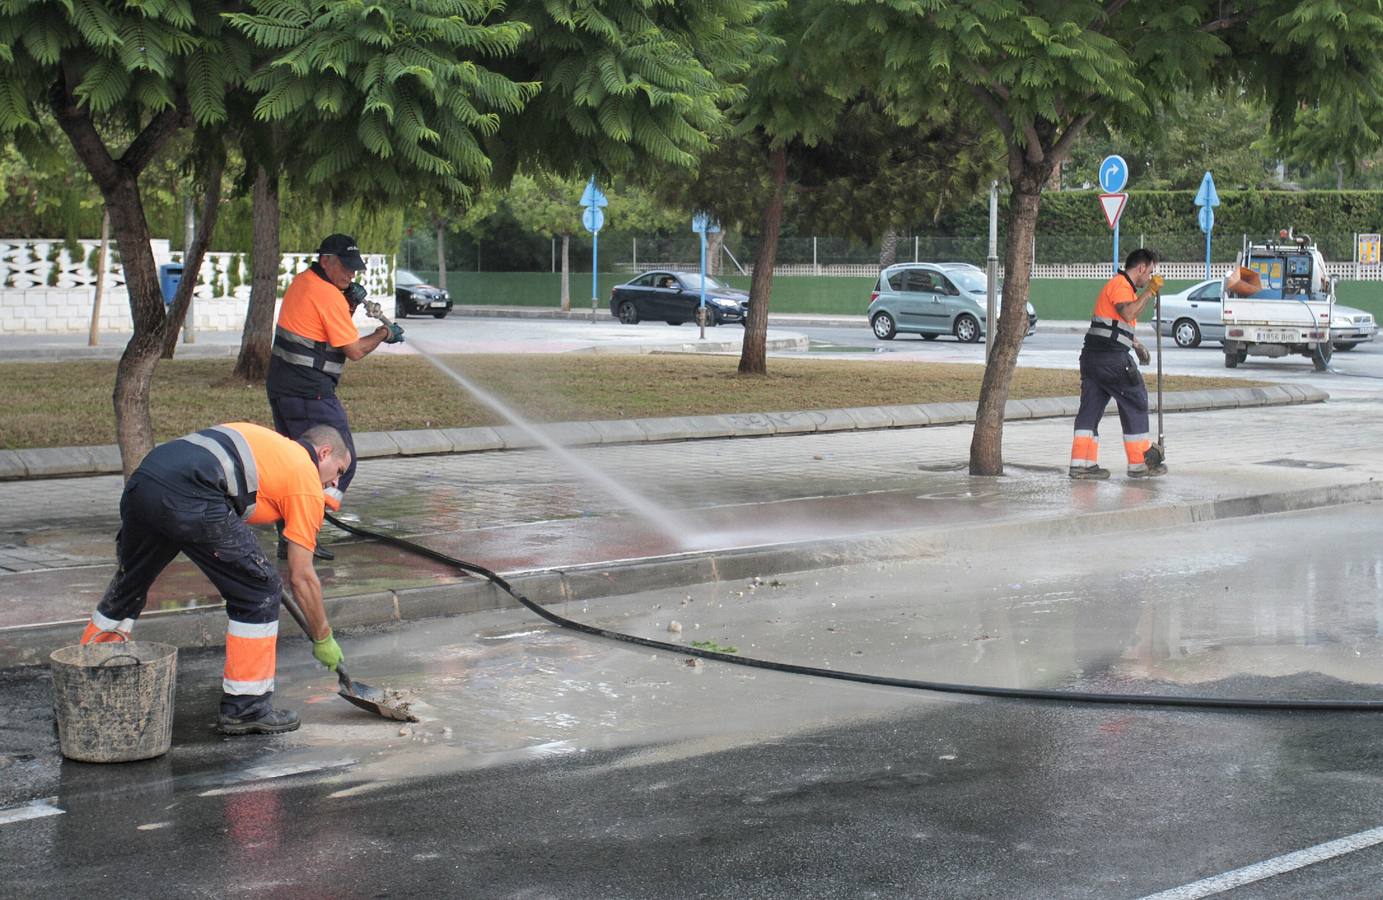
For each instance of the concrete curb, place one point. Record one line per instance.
(54, 462)
(205, 626)
(781, 320)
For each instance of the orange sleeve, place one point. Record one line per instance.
(302, 518)
(336, 318)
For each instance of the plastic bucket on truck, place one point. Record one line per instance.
(114, 701)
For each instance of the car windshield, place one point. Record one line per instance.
(968, 281)
(406, 278)
(692, 282)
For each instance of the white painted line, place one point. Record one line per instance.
(34, 809)
(264, 773)
(1218, 884)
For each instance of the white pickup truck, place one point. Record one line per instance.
(1279, 300)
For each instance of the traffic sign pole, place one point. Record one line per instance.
(594, 220)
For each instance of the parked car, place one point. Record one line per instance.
(673, 297)
(932, 299)
(1192, 316)
(413, 296)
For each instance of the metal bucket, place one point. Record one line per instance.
(114, 701)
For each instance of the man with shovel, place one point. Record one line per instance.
(197, 495)
(1107, 371)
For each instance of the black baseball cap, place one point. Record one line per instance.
(342, 246)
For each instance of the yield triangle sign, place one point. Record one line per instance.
(1113, 205)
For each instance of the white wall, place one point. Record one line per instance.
(30, 304)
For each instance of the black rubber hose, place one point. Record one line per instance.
(817, 672)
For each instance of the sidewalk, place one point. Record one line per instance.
(732, 508)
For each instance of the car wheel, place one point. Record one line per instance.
(928, 337)
(1186, 333)
(1345, 347)
(440, 314)
(1231, 358)
(967, 328)
(1320, 357)
(400, 309)
(884, 326)
(628, 313)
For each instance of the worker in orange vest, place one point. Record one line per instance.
(314, 337)
(1106, 371)
(197, 495)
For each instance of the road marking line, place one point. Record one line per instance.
(1218, 884)
(244, 780)
(34, 809)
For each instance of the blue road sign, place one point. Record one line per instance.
(703, 224)
(592, 195)
(1206, 218)
(1206, 196)
(593, 218)
(1113, 174)
(1207, 200)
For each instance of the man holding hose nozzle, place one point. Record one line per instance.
(1107, 371)
(197, 495)
(314, 338)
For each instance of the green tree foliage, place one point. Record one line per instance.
(384, 100)
(625, 83)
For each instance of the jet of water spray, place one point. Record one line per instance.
(673, 526)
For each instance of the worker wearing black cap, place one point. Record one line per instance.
(314, 338)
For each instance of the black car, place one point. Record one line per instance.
(413, 296)
(673, 297)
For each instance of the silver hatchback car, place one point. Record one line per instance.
(1193, 315)
(932, 299)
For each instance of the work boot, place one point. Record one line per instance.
(275, 721)
(1089, 473)
(318, 552)
(1149, 472)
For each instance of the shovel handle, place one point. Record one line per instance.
(293, 610)
(296, 612)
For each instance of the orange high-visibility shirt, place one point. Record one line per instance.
(1118, 289)
(314, 308)
(290, 487)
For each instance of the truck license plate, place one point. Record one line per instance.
(1280, 337)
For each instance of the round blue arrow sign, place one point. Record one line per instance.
(593, 217)
(1113, 174)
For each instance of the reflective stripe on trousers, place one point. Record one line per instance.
(1106, 375)
(250, 657)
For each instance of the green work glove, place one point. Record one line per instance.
(395, 333)
(328, 652)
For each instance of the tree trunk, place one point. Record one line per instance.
(118, 181)
(256, 340)
(566, 273)
(193, 254)
(754, 355)
(715, 241)
(442, 254)
(888, 252)
(986, 445)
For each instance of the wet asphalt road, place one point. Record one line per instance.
(553, 765)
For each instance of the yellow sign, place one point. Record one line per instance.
(1369, 249)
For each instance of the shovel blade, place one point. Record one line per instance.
(389, 705)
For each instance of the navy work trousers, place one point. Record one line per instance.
(156, 523)
(294, 415)
(1106, 374)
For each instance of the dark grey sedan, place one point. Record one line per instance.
(673, 297)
